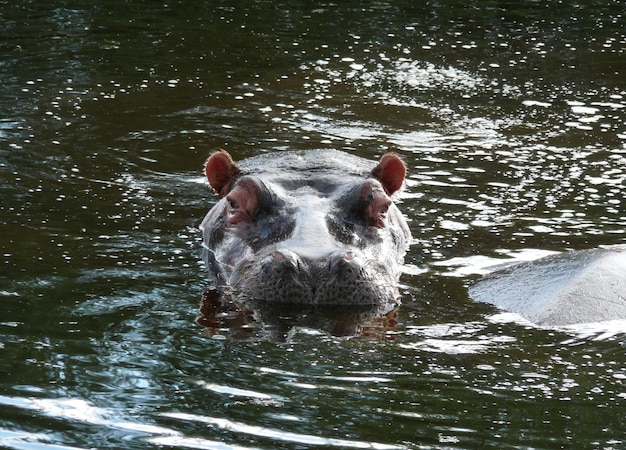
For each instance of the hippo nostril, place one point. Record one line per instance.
(284, 259)
(278, 256)
(343, 263)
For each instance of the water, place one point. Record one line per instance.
(510, 116)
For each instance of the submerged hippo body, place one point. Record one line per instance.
(563, 289)
(315, 227)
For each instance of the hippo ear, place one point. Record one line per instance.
(220, 170)
(391, 172)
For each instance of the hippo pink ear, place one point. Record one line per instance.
(220, 170)
(391, 172)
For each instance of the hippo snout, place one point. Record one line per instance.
(338, 278)
(340, 263)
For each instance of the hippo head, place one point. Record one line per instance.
(316, 227)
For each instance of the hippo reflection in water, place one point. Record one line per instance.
(315, 227)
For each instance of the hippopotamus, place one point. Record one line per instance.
(569, 288)
(314, 227)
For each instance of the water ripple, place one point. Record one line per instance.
(275, 434)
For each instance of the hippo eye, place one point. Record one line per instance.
(376, 213)
(242, 203)
(374, 204)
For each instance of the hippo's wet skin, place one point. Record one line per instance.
(564, 289)
(315, 227)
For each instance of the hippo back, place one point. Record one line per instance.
(564, 289)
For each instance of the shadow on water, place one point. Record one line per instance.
(277, 322)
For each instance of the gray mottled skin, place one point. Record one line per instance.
(564, 289)
(298, 227)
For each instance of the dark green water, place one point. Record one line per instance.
(510, 116)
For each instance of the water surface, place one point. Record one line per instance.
(510, 116)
